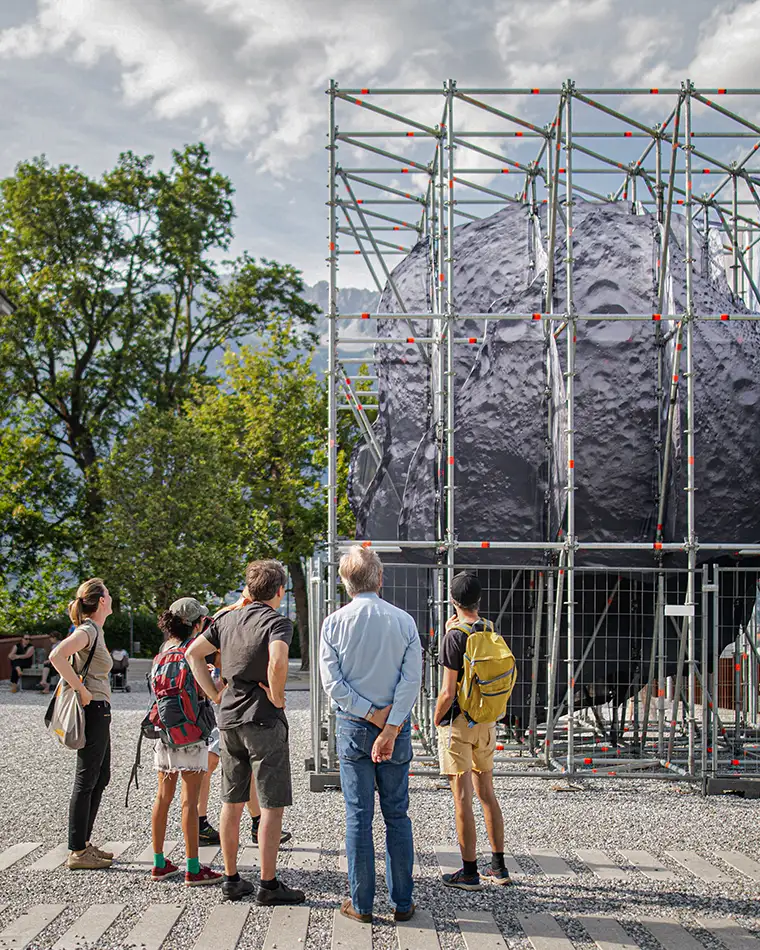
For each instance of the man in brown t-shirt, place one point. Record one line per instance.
(254, 641)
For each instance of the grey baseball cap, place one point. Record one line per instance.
(188, 609)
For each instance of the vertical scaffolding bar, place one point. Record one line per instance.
(704, 667)
(571, 331)
(715, 667)
(690, 424)
(734, 234)
(450, 328)
(661, 689)
(332, 374)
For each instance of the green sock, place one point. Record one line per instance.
(159, 861)
(193, 865)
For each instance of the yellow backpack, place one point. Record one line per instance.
(490, 673)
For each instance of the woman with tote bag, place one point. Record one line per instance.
(85, 650)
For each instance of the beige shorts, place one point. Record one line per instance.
(462, 748)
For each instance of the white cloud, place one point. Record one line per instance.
(585, 40)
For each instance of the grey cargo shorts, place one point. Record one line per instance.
(261, 751)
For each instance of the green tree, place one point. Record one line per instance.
(270, 412)
(36, 533)
(122, 295)
(174, 518)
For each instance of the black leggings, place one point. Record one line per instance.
(93, 773)
(16, 666)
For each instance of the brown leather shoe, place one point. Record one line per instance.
(105, 855)
(347, 909)
(404, 914)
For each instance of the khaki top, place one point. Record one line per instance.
(97, 680)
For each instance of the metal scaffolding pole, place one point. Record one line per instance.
(690, 437)
(570, 336)
(332, 368)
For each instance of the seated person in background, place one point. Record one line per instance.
(21, 658)
(47, 666)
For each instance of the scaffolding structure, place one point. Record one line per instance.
(442, 161)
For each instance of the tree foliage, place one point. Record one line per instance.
(174, 519)
(122, 294)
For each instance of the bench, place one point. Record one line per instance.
(31, 677)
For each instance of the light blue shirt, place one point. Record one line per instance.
(370, 655)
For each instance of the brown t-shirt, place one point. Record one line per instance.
(97, 680)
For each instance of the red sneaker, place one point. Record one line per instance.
(204, 876)
(167, 871)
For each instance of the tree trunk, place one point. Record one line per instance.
(83, 449)
(301, 596)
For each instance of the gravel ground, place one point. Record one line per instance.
(36, 783)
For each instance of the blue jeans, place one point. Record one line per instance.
(358, 775)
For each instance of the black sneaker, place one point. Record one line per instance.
(465, 882)
(234, 890)
(208, 835)
(282, 894)
(285, 836)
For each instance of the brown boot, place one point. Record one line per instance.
(14, 687)
(347, 909)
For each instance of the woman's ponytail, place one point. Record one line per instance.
(75, 611)
(87, 600)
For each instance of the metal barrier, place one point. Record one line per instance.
(645, 686)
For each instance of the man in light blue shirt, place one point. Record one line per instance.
(370, 658)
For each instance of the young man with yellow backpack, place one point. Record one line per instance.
(479, 673)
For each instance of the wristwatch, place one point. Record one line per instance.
(371, 713)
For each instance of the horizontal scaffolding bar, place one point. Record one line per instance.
(749, 549)
(550, 317)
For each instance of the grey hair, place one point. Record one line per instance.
(361, 570)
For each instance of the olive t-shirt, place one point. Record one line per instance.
(242, 636)
(97, 680)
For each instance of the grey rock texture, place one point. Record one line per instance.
(504, 473)
(510, 478)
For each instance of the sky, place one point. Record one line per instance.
(83, 80)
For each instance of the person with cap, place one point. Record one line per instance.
(370, 659)
(466, 749)
(254, 642)
(180, 624)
